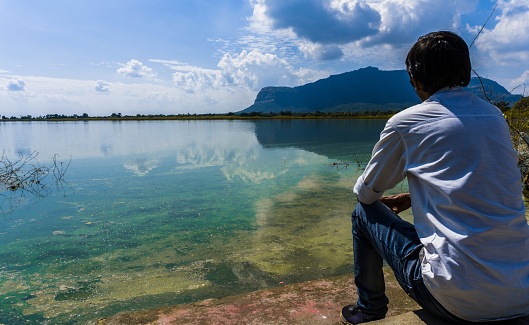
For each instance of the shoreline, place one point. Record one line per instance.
(188, 118)
(311, 302)
(317, 302)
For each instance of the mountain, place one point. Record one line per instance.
(365, 89)
(494, 91)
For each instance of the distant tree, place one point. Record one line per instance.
(518, 119)
(502, 105)
(522, 105)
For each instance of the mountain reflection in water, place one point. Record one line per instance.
(331, 138)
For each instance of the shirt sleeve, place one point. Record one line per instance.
(386, 168)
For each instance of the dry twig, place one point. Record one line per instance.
(27, 178)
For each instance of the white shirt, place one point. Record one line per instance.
(457, 154)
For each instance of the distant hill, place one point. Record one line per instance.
(494, 91)
(365, 89)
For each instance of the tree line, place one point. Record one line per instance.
(230, 115)
(502, 105)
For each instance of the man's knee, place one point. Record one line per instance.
(357, 212)
(359, 217)
(366, 215)
(362, 210)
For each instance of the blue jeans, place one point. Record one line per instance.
(379, 234)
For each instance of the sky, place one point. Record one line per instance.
(213, 56)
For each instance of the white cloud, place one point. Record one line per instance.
(402, 21)
(193, 79)
(230, 87)
(103, 63)
(102, 86)
(507, 42)
(365, 23)
(522, 80)
(16, 85)
(135, 69)
(321, 52)
(256, 70)
(70, 96)
(324, 22)
(250, 70)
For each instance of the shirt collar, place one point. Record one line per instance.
(444, 90)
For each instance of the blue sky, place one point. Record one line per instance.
(198, 56)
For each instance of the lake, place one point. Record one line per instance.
(159, 213)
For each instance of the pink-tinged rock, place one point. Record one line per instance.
(312, 302)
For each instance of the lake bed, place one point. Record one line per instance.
(159, 213)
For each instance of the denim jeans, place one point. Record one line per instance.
(379, 234)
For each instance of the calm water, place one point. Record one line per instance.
(159, 213)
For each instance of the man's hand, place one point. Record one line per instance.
(397, 203)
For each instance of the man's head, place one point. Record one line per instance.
(438, 60)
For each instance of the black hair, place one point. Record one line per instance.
(439, 59)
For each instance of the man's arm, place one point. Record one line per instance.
(397, 203)
(385, 169)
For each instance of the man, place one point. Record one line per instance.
(466, 257)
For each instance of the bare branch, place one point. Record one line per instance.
(26, 178)
(482, 86)
(482, 27)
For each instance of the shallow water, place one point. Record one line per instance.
(158, 213)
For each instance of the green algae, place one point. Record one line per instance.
(304, 230)
(210, 220)
(299, 232)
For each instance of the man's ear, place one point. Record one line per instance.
(416, 83)
(419, 86)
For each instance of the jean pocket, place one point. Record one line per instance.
(428, 302)
(423, 297)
